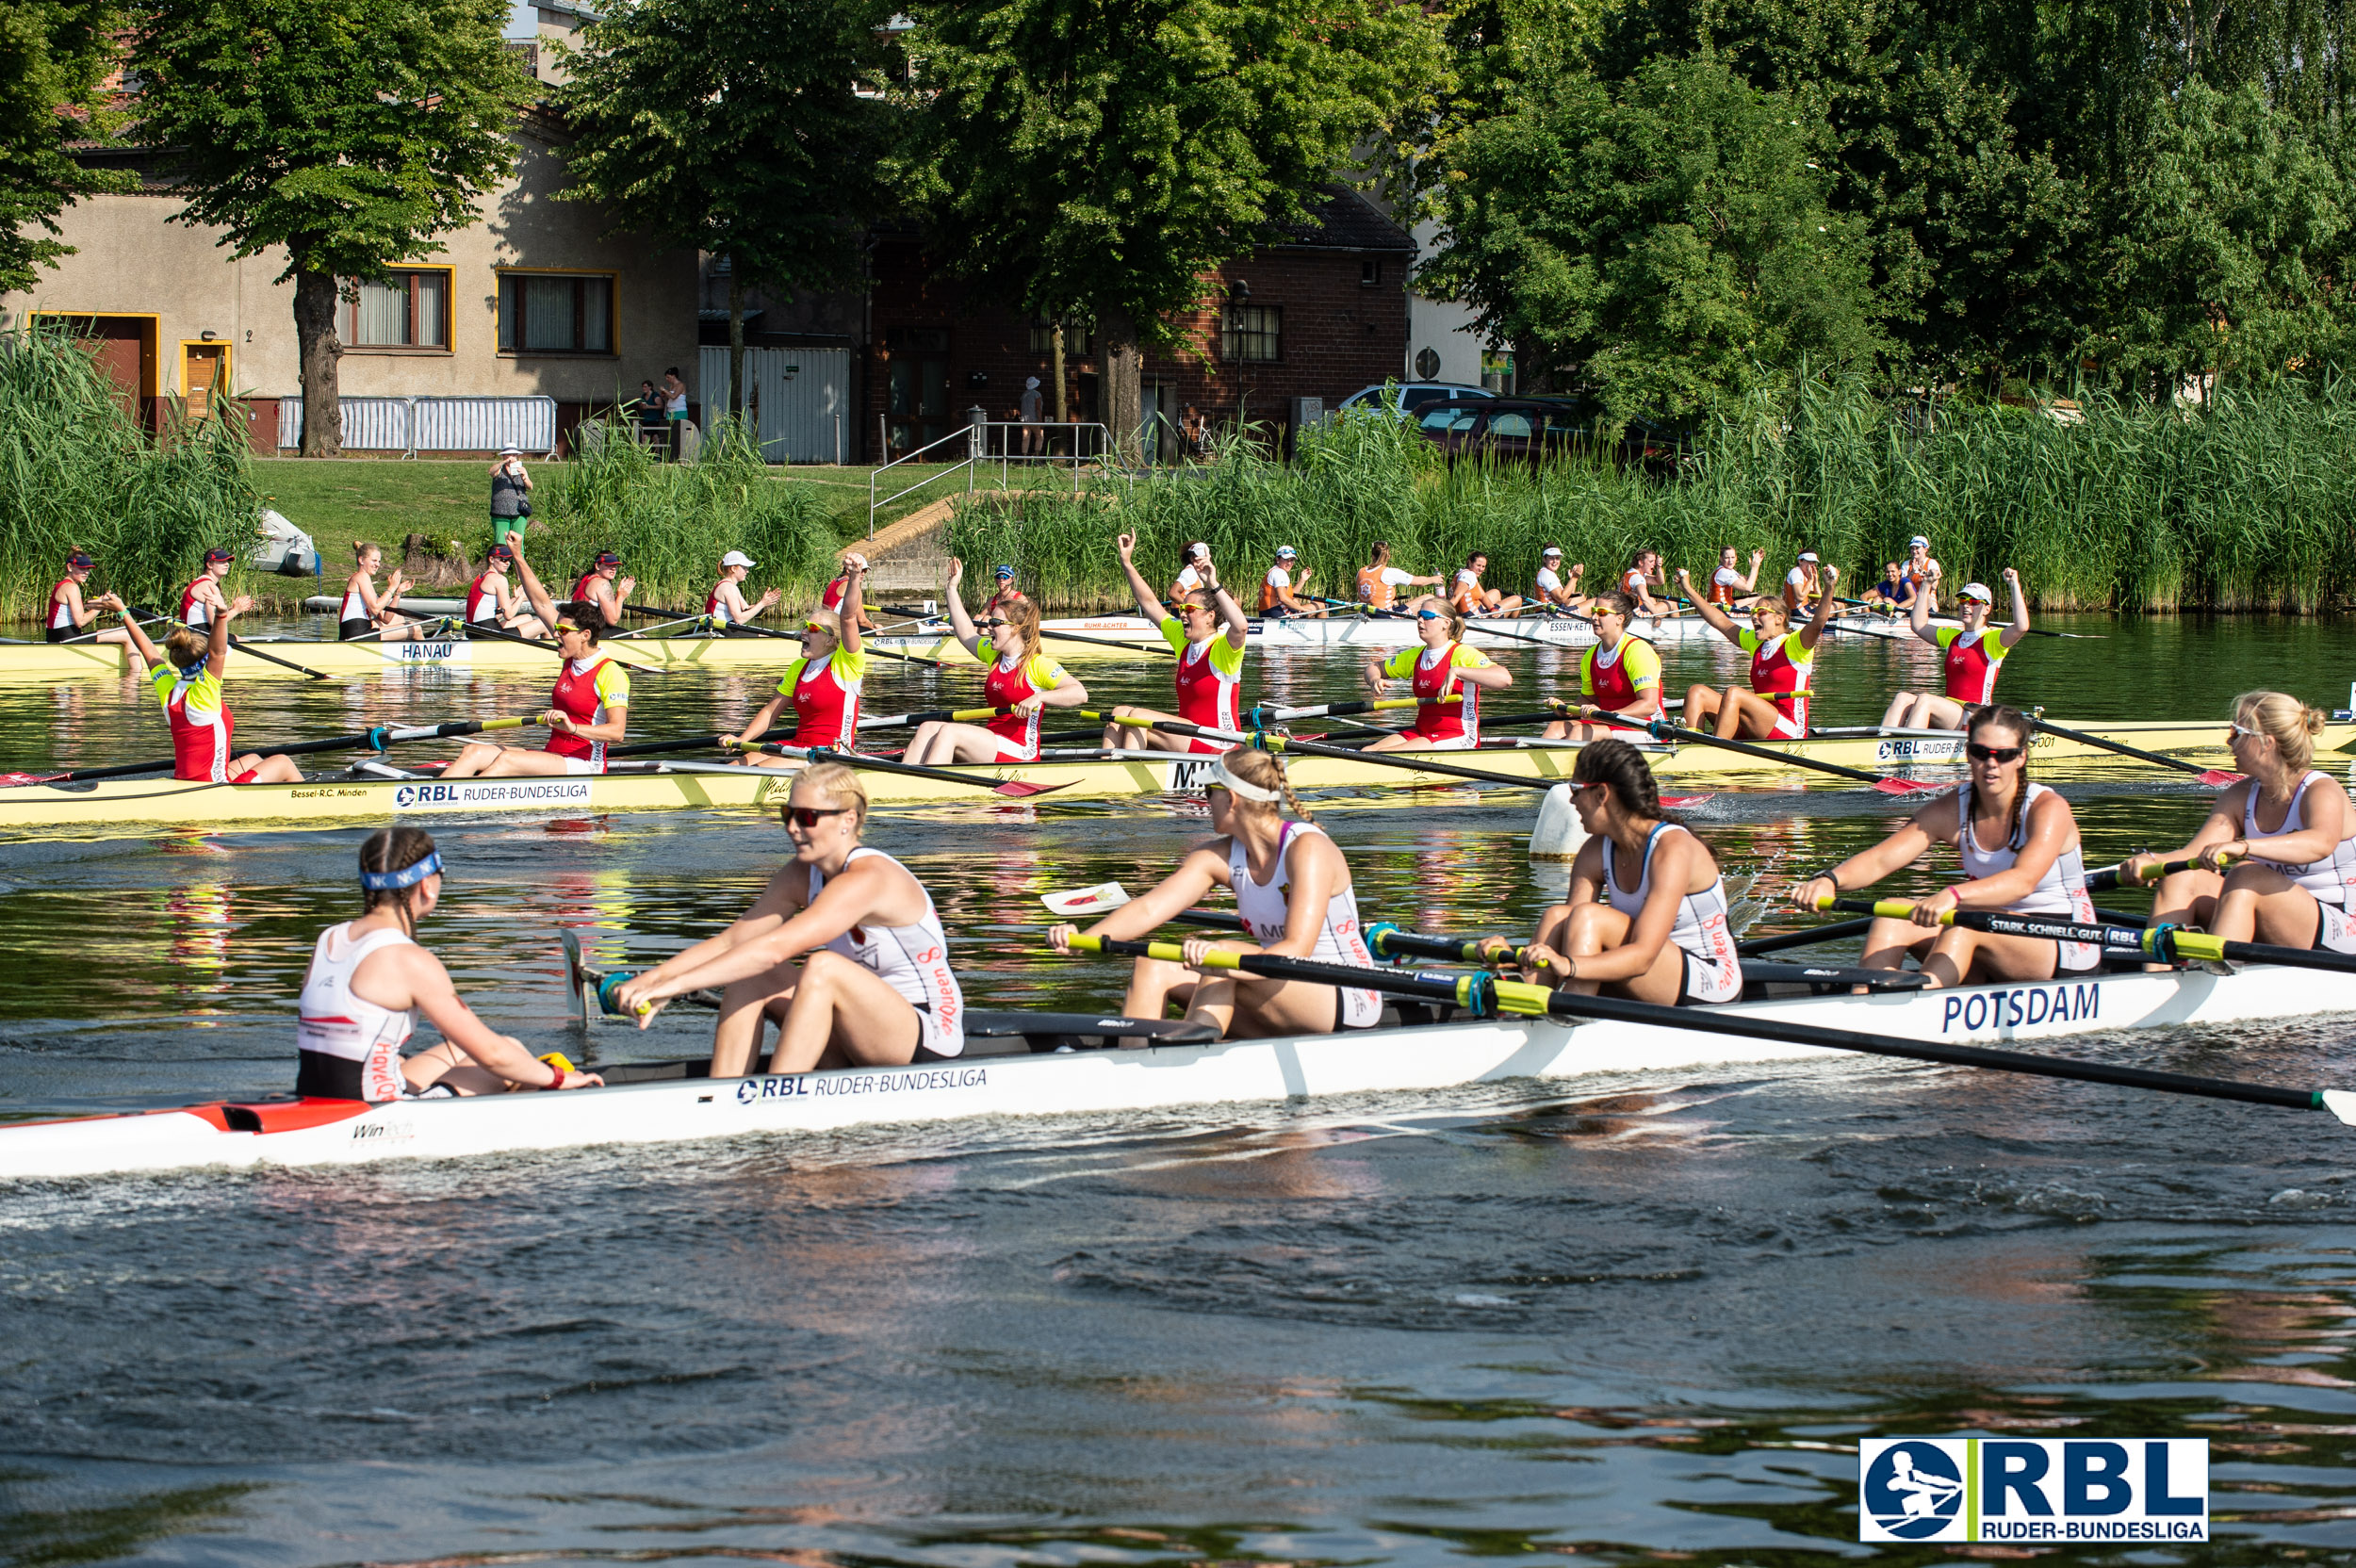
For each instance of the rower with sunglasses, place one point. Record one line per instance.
(1209, 676)
(823, 685)
(874, 987)
(1619, 675)
(1971, 655)
(604, 586)
(1783, 664)
(2018, 843)
(1020, 677)
(588, 712)
(1442, 667)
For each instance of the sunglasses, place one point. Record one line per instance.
(1979, 753)
(994, 624)
(2240, 733)
(810, 816)
(1429, 616)
(564, 627)
(813, 626)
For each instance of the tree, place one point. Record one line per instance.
(55, 58)
(351, 132)
(1666, 241)
(1093, 158)
(746, 128)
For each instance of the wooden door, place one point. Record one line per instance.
(202, 373)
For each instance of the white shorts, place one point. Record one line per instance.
(2334, 931)
(1454, 742)
(577, 767)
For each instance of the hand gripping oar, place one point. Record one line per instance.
(1660, 729)
(373, 739)
(1481, 993)
(2215, 776)
(2163, 944)
(2110, 878)
(1260, 718)
(1389, 941)
(1014, 788)
(1107, 896)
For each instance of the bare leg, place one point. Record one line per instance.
(1960, 956)
(1888, 942)
(745, 1005)
(1701, 706)
(844, 1015)
(1749, 717)
(1245, 1007)
(2260, 903)
(1894, 716)
(1153, 984)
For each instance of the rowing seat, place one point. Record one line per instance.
(1762, 980)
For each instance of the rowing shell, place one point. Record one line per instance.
(135, 805)
(1110, 1081)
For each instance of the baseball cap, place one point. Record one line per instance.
(1006, 571)
(1808, 555)
(511, 451)
(607, 557)
(1550, 550)
(1286, 552)
(1196, 550)
(79, 560)
(217, 553)
(1918, 540)
(500, 553)
(1978, 591)
(737, 558)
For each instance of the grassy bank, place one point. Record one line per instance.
(2250, 505)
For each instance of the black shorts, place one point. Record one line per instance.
(351, 630)
(65, 633)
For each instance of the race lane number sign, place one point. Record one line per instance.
(2033, 1489)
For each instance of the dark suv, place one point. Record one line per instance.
(1529, 430)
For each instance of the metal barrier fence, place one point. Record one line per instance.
(984, 441)
(413, 425)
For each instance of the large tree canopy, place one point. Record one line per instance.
(55, 57)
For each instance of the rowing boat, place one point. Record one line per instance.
(1017, 1067)
(137, 804)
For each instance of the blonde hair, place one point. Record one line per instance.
(1264, 770)
(1023, 615)
(1454, 617)
(838, 783)
(2291, 721)
(360, 549)
(186, 647)
(831, 620)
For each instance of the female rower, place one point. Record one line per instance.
(1638, 582)
(1620, 674)
(873, 988)
(69, 619)
(1021, 677)
(1548, 589)
(1896, 590)
(368, 981)
(1728, 587)
(367, 612)
(204, 594)
(1194, 570)
(833, 597)
(1206, 633)
(2290, 827)
(1654, 928)
(1782, 663)
(823, 685)
(725, 606)
(1442, 668)
(1922, 570)
(604, 586)
(1004, 595)
(1805, 587)
(589, 710)
(1292, 888)
(1379, 582)
(1971, 654)
(2033, 868)
(493, 602)
(185, 674)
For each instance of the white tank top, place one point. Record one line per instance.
(2062, 891)
(334, 1022)
(911, 959)
(355, 608)
(1701, 927)
(2331, 878)
(60, 612)
(1265, 910)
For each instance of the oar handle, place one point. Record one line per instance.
(1388, 941)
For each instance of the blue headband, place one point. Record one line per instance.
(408, 877)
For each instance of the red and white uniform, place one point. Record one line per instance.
(583, 692)
(1209, 678)
(2331, 881)
(1713, 971)
(1971, 663)
(830, 599)
(912, 961)
(1780, 670)
(1007, 685)
(483, 600)
(585, 591)
(204, 736)
(60, 609)
(1266, 909)
(1449, 725)
(351, 1047)
(826, 698)
(1612, 678)
(195, 612)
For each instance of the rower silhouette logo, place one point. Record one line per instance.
(1913, 1489)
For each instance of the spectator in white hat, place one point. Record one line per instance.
(1552, 590)
(725, 606)
(1970, 656)
(1280, 591)
(511, 496)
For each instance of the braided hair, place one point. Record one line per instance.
(1267, 771)
(1614, 761)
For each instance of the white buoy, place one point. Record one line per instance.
(1558, 833)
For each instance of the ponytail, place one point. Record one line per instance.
(1267, 771)
(1614, 761)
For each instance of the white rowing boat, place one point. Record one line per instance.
(1015, 1074)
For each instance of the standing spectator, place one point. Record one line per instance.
(1031, 414)
(649, 410)
(674, 407)
(1194, 435)
(511, 496)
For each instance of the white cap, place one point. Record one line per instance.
(1030, 383)
(1550, 550)
(1978, 591)
(736, 558)
(1918, 541)
(511, 451)
(1286, 551)
(1196, 550)
(1808, 555)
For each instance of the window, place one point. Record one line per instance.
(1078, 342)
(1442, 420)
(1253, 333)
(554, 313)
(1370, 271)
(399, 310)
(1513, 425)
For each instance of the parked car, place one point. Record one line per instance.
(1528, 430)
(1412, 398)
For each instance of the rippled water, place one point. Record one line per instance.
(1615, 1321)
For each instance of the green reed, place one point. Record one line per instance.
(671, 522)
(76, 470)
(2249, 504)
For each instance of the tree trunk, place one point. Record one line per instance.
(1055, 371)
(736, 400)
(316, 344)
(1120, 368)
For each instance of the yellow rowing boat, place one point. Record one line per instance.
(114, 806)
(48, 661)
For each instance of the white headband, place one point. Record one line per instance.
(1221, 778)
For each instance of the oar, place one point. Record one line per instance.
(1479, 992)
(2111, 877)
(1408, 760)
(2217, 777)
(1260, 718)
(1837, 931)
(499, 634)
(1014, 788)
(1112, 895)
(2168, 944)
(955, 715)
(1156, 648)
(1660, 729)
(147, 620)
(243, 646)
(373, 739)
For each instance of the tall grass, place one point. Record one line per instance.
(75, 468)
(2248, 505)
(671, 522)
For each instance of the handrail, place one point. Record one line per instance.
(977, 438)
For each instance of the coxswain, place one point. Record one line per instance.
(366, 613)
(1292, 887)
(1019, 676)
(726, 608)
(1443, 668)
(1379, 582)
(204, 594)
(1970, 654)
(873, 988)
(1194, 571)
(1640, 581)
(823, 685)
(1004, 595)
(588, 710)
(2278, 853)
(1922, 570)
(1620, 674)
(1470, 598)
(1783, 662)
(185, 674)
(1730, 587)
(1279, 592)
(1805, 587)
(367, 981)
(1549, 589)
(2034, 868)
(69, 619)
(603, 587)
(1655, 930)
(492, 602)
(1206, 629)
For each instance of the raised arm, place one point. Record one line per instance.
(1750, 583)
(2020, 626)
(147, 650)
(217, 651)
(960, 623)
(1231, 615)
(1149, 603)
(534, 594)
(1717, 619)
(853, 581)
(1921, 616)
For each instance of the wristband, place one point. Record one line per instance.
(557, 1082)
